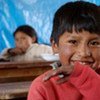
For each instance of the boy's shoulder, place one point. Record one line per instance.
(40, 82)
(39, 79)
(39, 46)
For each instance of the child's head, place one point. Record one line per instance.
(76, 33)
(24, 36)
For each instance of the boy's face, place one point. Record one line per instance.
(23, 41)
(83, 47)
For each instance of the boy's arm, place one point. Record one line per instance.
(5, 54)
(87, 82)
(82, 77)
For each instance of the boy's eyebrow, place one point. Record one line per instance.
(91, 38)
(74, 37)
(96, 38)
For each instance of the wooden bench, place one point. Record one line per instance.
(16, 77)
(14, 90)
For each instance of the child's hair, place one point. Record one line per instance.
(28, 30)
(78, 16)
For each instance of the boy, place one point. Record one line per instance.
(27, 48)
(76, 38)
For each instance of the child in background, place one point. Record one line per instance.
(76, 38)
(27, 48)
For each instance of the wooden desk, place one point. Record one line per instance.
(22, 71)
(16, 77)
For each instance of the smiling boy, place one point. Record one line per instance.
(76, 38)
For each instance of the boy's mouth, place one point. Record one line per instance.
(89, 63)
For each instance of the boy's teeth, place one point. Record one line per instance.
(84, 63)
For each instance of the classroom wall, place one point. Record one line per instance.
(37, 13)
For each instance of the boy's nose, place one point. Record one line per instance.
(84, 51)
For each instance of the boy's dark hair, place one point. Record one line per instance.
(78, 16)
(28, 30)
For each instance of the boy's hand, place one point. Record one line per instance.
(63, 73)
(15, 51)
(98, 69)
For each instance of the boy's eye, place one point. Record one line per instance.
(73, 42)
(95, 43)
(23, 38)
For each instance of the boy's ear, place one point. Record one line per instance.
(54, 47)
(33, 39)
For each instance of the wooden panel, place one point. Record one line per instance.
(24, 64)
(22, 71)
(7, 75)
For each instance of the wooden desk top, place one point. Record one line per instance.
(22, 71)
(25, 64)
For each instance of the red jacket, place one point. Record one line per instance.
(83, 84)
